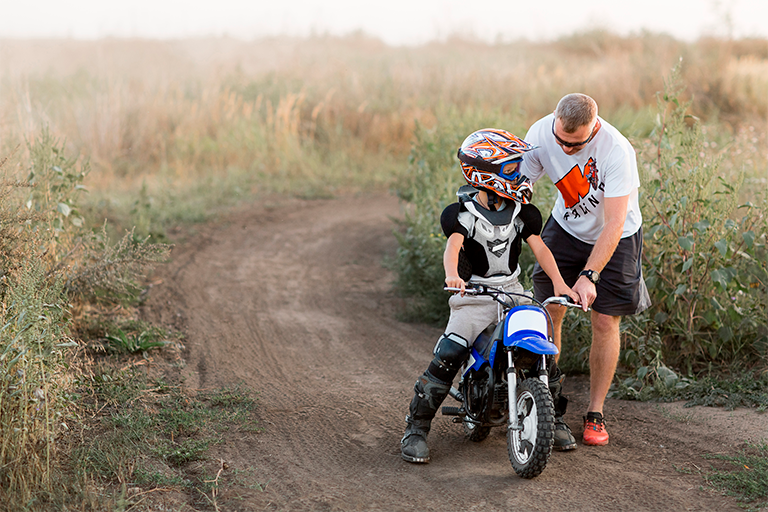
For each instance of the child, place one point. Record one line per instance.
(484, 231)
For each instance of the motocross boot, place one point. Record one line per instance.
(564, 440)
(428, 395)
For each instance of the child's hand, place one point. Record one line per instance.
(456, 282)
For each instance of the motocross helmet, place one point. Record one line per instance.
(485, 155)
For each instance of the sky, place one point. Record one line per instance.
(396, 22)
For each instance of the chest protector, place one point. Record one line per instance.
(493, 230)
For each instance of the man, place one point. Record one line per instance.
(595, 235)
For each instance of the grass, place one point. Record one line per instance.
(177, 137)
(146, 434)
(739, 389)
(744, 476)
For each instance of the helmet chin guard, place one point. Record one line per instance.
(490, 161)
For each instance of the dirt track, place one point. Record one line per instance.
(292, 300)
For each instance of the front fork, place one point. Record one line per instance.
(512, 387)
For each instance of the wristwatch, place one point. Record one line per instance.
(592, 275)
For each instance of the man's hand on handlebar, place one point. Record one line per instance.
(564, 290)
(586, 290)
(456, 282)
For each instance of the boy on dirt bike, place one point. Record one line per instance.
(484, 229)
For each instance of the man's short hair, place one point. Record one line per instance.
(575, 110)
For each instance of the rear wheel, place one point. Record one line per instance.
(530, 447)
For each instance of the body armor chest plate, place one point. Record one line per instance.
(494, 231)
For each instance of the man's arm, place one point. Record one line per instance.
(549, 265)
(615, 214)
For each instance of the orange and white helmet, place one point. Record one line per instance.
(490, 160)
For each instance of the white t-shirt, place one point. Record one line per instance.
(606, 167)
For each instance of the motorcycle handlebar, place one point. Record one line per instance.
(481, 289)
(563, 300)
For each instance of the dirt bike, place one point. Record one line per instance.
(489, 398)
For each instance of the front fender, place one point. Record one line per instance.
(526, 328)
(532, 343)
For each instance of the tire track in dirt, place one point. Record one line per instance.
(292, 300)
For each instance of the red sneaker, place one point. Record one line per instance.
(594, 430)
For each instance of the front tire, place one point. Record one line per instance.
(530, 447)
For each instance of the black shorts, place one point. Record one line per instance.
(621, 290)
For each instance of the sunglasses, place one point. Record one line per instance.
(575, 144)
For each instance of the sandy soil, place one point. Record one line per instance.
(292, 300)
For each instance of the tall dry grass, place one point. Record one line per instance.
(330, 110)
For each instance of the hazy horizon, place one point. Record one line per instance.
(400, 22)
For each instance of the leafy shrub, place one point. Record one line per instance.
(47, 257)
(705, 253)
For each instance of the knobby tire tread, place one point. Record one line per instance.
(545, 434)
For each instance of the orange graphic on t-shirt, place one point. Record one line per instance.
(574, 186)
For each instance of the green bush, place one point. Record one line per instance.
(705, 252)
(430, 185)
(47, 257)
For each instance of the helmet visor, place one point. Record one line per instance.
(500, 169)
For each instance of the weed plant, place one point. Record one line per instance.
(42, 237)
(32, 341)
(154, 435)
(133, 343)
(746, 478)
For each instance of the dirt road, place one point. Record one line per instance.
(292, 300)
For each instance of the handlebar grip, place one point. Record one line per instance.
(470, 289)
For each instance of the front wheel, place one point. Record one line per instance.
(530, 447)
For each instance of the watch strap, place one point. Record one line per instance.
(592, 275)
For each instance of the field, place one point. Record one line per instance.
(106, 143)
(321, 115)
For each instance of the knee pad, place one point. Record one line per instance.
(450, 353)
